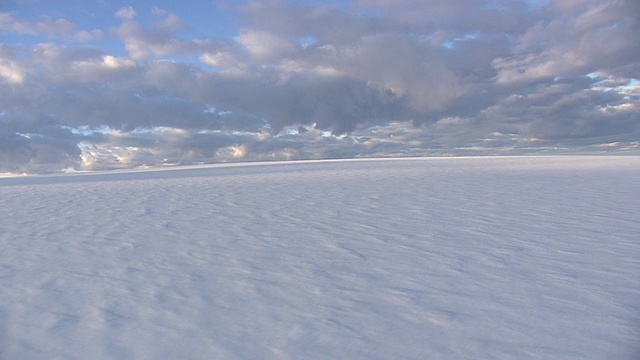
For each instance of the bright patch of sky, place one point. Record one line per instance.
(307, 40)
(450, 44)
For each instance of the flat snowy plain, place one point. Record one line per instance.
(436, 258)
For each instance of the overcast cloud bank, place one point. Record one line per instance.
(359, 78)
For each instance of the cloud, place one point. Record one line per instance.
(167, 20)
(126, 13)
(11, 69)
(576, 40)
(264, 46)
(48, 27)
(52, 149)
(367, 78)
(15, 151)
(566, 110)
(143, 43)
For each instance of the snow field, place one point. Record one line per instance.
(407, 259)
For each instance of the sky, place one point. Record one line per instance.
(96, 85)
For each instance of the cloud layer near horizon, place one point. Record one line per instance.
(363, 78)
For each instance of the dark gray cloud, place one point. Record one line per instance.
(15, 151)
(366, 78)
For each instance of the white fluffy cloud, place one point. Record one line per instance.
(126, 13)
(11, 69)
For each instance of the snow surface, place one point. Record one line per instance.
(454, 258)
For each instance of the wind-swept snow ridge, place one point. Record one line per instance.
(478, 258)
